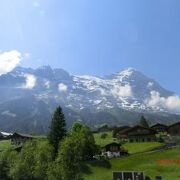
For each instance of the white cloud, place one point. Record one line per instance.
(122, 91)
(62, 87)
(9, 60)
(171, 103)
(30, 81)
(47, 84)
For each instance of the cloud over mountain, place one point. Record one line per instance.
(30, 81)
(9, 60)
(172, 103)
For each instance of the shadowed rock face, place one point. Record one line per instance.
(29, 96)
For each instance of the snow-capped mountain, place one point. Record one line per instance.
(29, 96)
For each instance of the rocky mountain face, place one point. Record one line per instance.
(29, 96)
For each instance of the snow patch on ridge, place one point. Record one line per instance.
(62, 87)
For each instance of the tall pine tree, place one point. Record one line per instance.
(143, 122)
(57, 129)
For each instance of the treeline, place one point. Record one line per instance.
(60, 157)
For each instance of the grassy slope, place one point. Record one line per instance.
(5, 144)
(141, 147)
(143, 162)
(103, 142)
(131, 147)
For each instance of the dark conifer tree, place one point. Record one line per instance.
(57, 129)
(143, 122)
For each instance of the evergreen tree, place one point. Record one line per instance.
(57, 129)
(143, 122)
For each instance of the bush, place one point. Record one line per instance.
(104, 135)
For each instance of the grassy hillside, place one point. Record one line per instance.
(141, 146)
(102, 142)
(5, 144)
(143, 162)
(131, 147)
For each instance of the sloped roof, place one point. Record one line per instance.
(132, 131)
(113, 143)
(159, 124)
(175, 124)
(121, 130)
(23, 135)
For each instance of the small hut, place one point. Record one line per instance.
(18, 138)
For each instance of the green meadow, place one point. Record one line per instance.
(131, 147)
(139, 160)
(103, 141)
(5, 144)
(147, 162)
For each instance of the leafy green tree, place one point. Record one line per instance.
(69, 159)
(54, 171)
(104, 135)
(57, 129)
(78, 146)
(84, 134)
(32, 162)
(6, 159)
(143, 122)
(23, 168)
(43, 157)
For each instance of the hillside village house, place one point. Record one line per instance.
(118, 130)
(114, 150)
(18, 139)
(160, 127)
(174, 129)
(138, 134)
(5, 135)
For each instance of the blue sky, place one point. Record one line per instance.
(97, 37)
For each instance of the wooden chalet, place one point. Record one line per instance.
(138, 134)
(159, 127)
(174, 129)
(114, 150)
(18, 138)
(119, 130)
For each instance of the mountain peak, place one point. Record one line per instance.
(46, 67)
(127, 71)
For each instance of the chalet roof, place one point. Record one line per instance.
(5, 134)
(112, 144)
(122, 129)
(175, 124)
(159, 124)
(132, 131)
(22, 135)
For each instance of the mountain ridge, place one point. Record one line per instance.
(110, 99)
